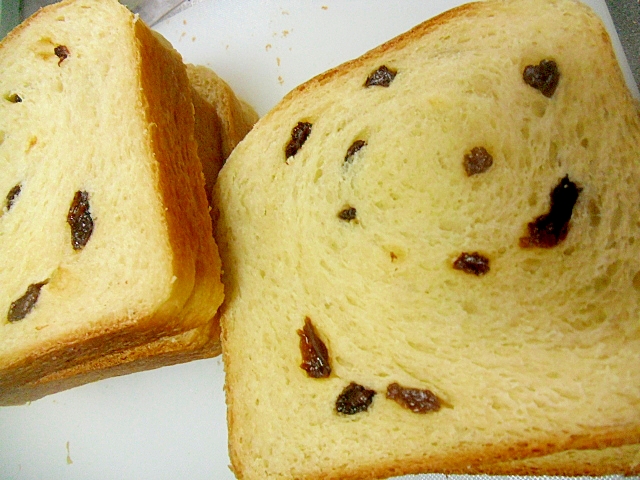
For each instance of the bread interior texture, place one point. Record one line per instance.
(99, 107)
(534, 356)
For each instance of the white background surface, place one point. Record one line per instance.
(170, 423)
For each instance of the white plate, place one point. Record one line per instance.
(170, 423)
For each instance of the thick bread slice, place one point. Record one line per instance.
(222, 120)
(94, 102)
(223, 123)
(534, 356)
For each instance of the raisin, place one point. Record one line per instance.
(549, 229)
(11, 196)
(14, 98)
(477, 161)
(299, 135)
(80, 221)
(414, 399)
(353, 149)
(348, 214)
(382, 77)
(61, 52)
(315, 356)
(354, 399)
(22, 306)
(544, 77)
(472, 263)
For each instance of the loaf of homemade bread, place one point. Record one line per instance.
(108, 261)
(431, 257)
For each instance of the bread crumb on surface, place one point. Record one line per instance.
(69, 461)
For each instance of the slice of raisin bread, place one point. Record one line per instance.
(432, 256)
(105, 232)
(221, 119)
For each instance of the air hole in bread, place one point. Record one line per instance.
(44, 48)
(299, 135)
(551, 228)
(469, 307)
(343, 362)
(589, 317)
(80, 220)
(531, 265)
(553, 153)
(315, 356)
(20, 308)
(354, 399)
(539, 108)
(414, 399)
(594, 213)
(32, 143)
(381, 77)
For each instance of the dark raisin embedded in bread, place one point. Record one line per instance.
(473, 263)
(22, 306)
(315, 356)
(353, 149)
(14, 98)
(414, 399)
(348, 214)
(550, 229)
(80, 221)
(478, 160)
(354, 399)
(382, 77)
(299, 135)
(12, 196)
(544, 77)
(62, 52)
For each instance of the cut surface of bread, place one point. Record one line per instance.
(448, 224)
(105, 232)
(211, 133)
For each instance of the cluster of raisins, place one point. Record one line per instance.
(549, 229)
(356, 398)
(545, 231)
